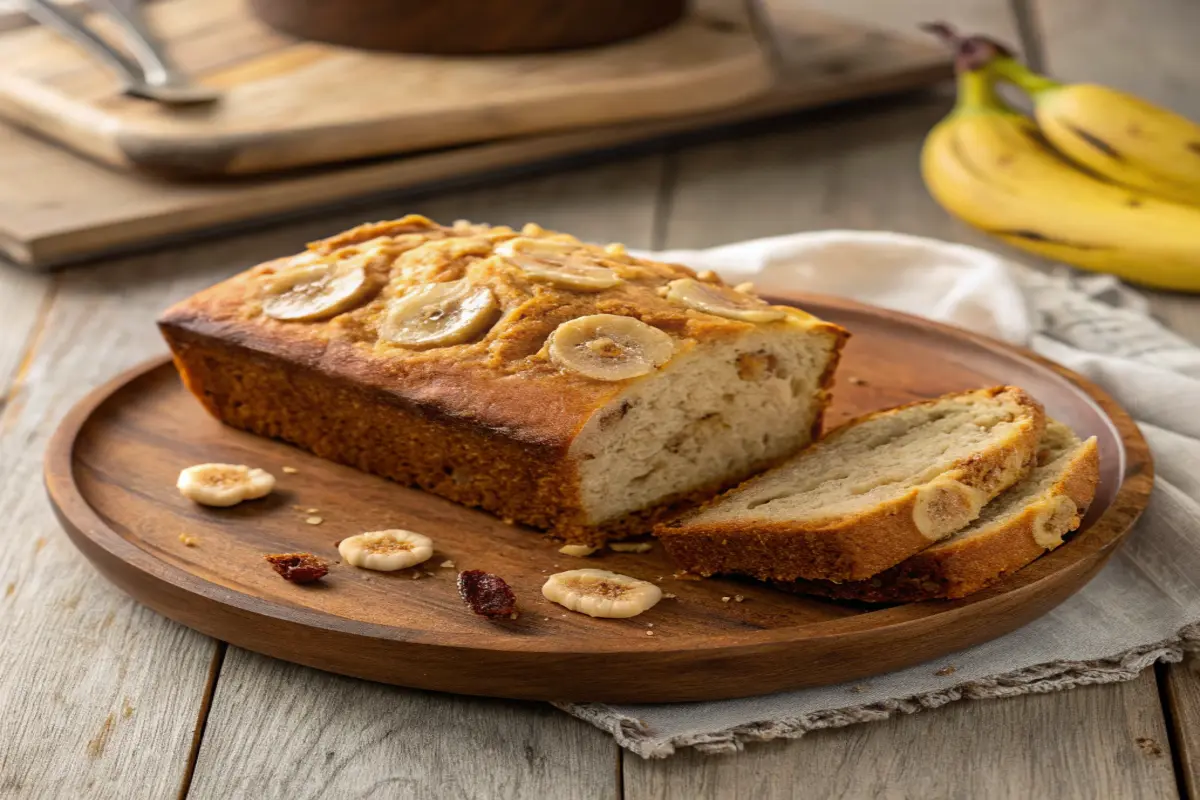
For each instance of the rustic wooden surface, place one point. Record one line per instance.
(110, 473)
(55, 207)
(853, 169)
(371, 103)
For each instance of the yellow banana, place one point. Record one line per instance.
(991, 167)
(1118, 136)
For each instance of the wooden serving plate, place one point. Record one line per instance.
(111, 471)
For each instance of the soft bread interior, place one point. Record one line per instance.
(1057, 452)
(714, 415)
(865, 464)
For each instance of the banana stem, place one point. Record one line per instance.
(977, 92)
(1013, 71)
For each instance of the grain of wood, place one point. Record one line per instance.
(371, 104)
(1183, 694)
(94, 689)
(282, 731)
(1097, 741)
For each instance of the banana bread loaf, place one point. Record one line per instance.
(570, 387)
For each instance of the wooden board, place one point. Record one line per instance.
(287, 102)
(56, 208)
(111, 471)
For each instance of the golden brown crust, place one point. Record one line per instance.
(959, 568)
(850, 548)
(471, 419)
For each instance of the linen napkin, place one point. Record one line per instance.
(1143, 607)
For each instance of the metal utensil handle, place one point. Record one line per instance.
(157, 66)
(51, 15)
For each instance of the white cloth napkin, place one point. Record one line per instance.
(1144, 606)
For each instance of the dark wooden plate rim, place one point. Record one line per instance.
(99, 542)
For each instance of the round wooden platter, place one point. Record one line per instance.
(111, 472)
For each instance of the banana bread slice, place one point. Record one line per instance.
(870, 494)
(1024, 522)
(568, 386)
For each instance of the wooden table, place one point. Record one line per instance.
(100, 698)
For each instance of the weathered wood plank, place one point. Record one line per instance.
(1099, 741)
(277, 730)
(98, 697)
(1183, 694)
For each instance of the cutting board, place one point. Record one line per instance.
(288, 103)
(56, 208)
(111, 471)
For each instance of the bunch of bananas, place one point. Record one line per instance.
(1098, 178)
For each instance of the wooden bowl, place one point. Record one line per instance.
(466, 27)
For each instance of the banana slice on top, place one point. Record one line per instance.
(563, 264)
(721, 301)
(313, 291)
(609, 347)
(599, 593)
(439, 314)
(386, 551)
(224, 485)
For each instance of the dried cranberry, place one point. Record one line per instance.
(298, 567)
(487, 594)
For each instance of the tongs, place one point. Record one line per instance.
(150, 74)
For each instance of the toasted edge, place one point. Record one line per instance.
(861, 545)
(957, 569)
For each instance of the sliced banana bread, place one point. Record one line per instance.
(869, 495)
(1021, 524)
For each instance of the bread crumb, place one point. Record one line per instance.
(314, 520)
(856, 381)
(669, 596)
(649, 633)
(312, 510)
(737, 598)
(948, 670)
(188, 540)
(726, 599)
(416, 576)
(297, 508)
(662, 291)
(858, 689)
(289, 470)
(684, 575)
(447, 564)
(649, 624)
(744, 288)
(707, 275)
(509, 521)
(630, 547)
(545, 619)
(578, 550)
(513, 615)
(127, 711)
